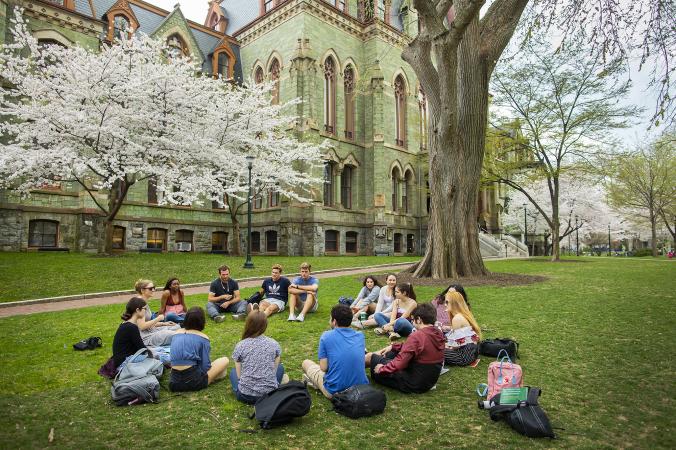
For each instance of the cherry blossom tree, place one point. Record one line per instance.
(108, 120)
(583, 208)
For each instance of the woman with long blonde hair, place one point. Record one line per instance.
(462, 342)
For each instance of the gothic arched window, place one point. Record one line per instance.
(400, 110)
(274, 76)
(329, 95)
(349, 81)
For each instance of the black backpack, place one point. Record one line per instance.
(526, 417)
(88, 344)
(282, 405)
(361, 400)
(492, 347)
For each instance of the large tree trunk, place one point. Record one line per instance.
(653, 232)
(108, 236)
(115, 198)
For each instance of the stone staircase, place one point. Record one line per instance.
(500, 246)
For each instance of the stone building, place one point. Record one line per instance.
(342, 58)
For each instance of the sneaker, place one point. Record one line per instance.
(305, 379)
(444, 370)
(300, 318)
(251, 307)
(292, 318)
(394, 336)
(240, 316)
(433, 387)
(358, 325)
(285, 379)
(219, 319)
(380, 332)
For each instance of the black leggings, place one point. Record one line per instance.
(416, 378)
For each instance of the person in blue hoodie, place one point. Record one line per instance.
(341, 356)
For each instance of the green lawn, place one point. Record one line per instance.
(55, 274)
(596, 337)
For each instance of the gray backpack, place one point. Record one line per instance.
(137, 382)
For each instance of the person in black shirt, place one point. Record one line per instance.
(127, 340)
(224, 297)
(276, 292)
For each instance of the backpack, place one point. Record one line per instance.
(88, 344)
(137, 381)
(527, 418)
(280, 406)
(361, 400)
(492, 347)
(501, 374)
(345, 300)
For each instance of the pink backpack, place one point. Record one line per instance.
(501, 374)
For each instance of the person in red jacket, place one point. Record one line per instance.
(415, 365)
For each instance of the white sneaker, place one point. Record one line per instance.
(358, 325)
(292, 318)
(285, 379)
(219, 319)
(300, 318)
(240, 316)
(444, 370)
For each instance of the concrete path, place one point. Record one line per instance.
(74, 302)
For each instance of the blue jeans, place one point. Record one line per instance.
(170, 317)
(214, 309)
(401, 326)
(249, 399)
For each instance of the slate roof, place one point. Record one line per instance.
(240, 13)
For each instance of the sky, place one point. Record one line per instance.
(640, 95)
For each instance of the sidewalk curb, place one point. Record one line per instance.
(65, 298)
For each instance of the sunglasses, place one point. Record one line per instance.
(152, 288)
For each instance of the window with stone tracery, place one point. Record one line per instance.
(274, 76)
(330, 95)
(175, 47)
(259, 76)
(121, 27)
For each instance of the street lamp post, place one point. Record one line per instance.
(608, 239)
(525, 228)
(249, 264)
(577, 239)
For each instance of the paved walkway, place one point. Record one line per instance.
(23, 308)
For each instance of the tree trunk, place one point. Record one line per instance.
(653, 232)
(556, 241)
(455, 160)
(237, 238)
(108, 236)
(116, 196)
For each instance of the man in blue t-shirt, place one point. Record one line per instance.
(341, 356)
(303, 294)
(275, 291)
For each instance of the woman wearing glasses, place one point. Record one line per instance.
(154, 332)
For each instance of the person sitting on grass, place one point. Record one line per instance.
(172, 302)
(303, 294)
(275, 291)
(367, 298)
(127, 340)
(191, 365)
(257, 368)
(398, 322)
(415, 365)
(384, 305)
(341, 356)
(440, 303)
(154, 332)
(462, 347)
(224, 297)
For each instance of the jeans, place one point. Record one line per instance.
(214, 309)
(249, 399)
(170, 317)
(401, 326)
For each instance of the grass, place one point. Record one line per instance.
(56, 274)
(596, 337)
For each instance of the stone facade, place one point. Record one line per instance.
(296, 38)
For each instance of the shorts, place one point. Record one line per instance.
(273, 301)
(192, 379)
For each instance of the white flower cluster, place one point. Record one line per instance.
(128, 112)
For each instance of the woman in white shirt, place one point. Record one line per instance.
(384, 305)
(462, 346)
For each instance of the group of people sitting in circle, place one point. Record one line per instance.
(440, 333)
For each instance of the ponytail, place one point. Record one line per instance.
(132, 305)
